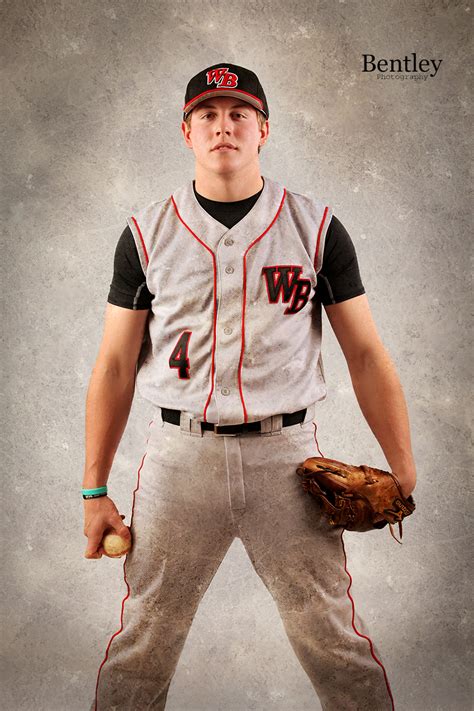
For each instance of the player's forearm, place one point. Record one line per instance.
(108, 403)
(382, 402)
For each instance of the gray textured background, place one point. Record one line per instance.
(91, 111)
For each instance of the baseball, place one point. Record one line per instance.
(115, 546)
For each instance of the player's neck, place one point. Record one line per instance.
(228, 188)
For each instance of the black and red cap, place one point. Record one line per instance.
(225, 79)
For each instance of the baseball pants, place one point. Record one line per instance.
(195, 493)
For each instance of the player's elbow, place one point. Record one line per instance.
(369, 356)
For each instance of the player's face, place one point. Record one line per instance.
(224, 120)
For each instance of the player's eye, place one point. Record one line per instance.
(210, 113)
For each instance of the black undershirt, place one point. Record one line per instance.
(338, 280)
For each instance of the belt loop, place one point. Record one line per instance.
(159, 415)
(277, 422)
(189, 426)
(271, 425)
(310, 413)
(156, 414)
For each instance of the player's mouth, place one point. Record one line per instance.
(224, 147)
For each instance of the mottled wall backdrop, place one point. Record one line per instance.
(91, 108)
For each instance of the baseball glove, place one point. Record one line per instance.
(359, 498)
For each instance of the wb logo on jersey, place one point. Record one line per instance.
(283, 280)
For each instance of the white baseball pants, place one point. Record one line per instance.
(195, 493)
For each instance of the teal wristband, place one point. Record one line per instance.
(94, 493)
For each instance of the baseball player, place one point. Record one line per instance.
(215, 312)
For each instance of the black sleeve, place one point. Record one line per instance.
(339, 278)
(128, 287)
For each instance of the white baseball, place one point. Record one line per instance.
(115, 546)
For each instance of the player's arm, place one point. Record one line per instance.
(111, 388)
(108, 403)
(373, 374)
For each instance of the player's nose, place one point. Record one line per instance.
(223, 125)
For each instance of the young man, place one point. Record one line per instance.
(215, 309)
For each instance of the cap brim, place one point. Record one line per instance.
(236, 93)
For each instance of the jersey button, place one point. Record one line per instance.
(225, 391)
(227, 330)
(228, 241)
(229, 270)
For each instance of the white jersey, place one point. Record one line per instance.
(234, 334)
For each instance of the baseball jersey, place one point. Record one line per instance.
(234, 331)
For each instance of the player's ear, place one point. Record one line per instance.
(186, 134)
(264, 133)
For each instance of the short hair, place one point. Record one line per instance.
(261, 118)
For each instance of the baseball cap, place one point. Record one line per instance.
(225, 79)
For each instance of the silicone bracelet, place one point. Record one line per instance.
(94, 493)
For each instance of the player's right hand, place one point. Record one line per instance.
(101, 514)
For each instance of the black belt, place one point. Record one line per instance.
(292, 418)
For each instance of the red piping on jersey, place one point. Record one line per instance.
(319, 239)
(141, 239)
(212, 91)
(244, 299)
(215, 304)
(124, 572)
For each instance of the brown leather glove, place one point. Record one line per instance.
(359, 498)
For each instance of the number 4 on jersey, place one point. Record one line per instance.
(179, 357)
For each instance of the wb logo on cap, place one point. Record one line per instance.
(222, 77)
